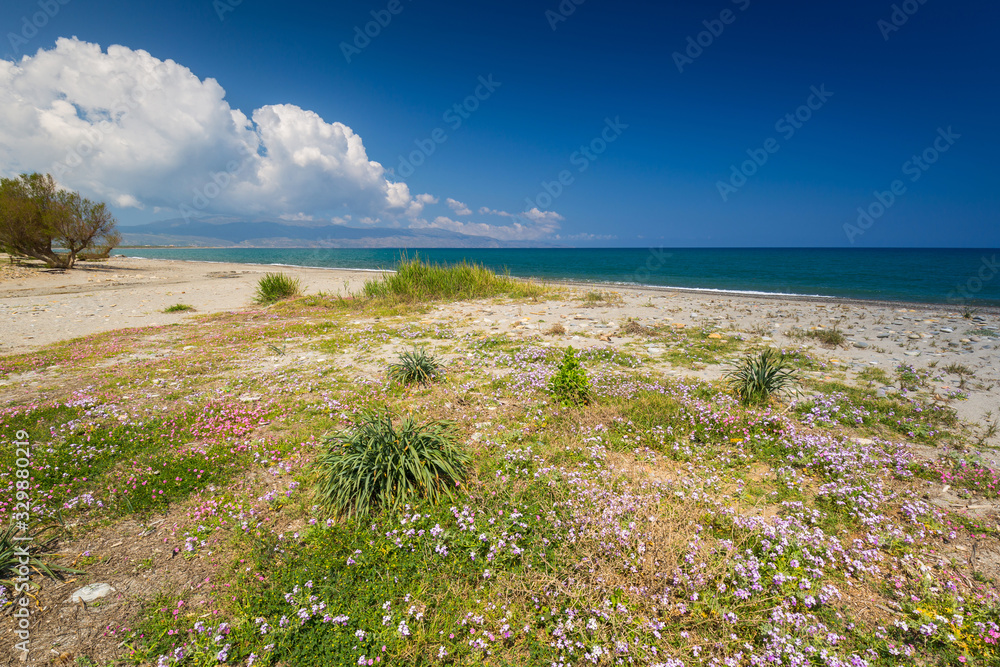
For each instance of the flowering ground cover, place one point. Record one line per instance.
(662, 524)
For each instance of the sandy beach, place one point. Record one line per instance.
(40, 307)
(249, 377)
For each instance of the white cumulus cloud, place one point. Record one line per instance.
(126, 127)
(522, 229)
(140, 131)
(458, 207)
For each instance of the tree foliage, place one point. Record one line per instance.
(41, 221)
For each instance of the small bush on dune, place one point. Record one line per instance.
(178, 308)
(275, 287)
(415, 281)
(375, 463)
(569, 385)
(761, 376)
(415, 366)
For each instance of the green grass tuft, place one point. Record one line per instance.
(375, 463)
(415, 366)
(178, 308)
(760, 376)
(274, 287)
(829, 337)
(39, 547)
(417, 281)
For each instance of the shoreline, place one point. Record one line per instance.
(776, 296)
(706, 291)
(40, 308)
(152, 277)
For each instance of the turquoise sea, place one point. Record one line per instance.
(946, 276)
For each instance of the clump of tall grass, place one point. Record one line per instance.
(39, 546)
(599, 298)
(178, 308)
(829, 337)
(415, 281)
(761, 376)
(415, 366)
(274, 287)
(375, 463)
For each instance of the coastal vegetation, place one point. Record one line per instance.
(569, 385)
(268, 493)
(416, 281)
(275, 287)
(375, 464)
(829, 337)
(416, 366)
(760, 377)
(39, 220)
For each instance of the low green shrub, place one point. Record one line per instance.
(828, 337)
(178, 308)
(908, 377)
(415, 366)
(274, 287)
(570, 385)
(761, 376)
(376, 463)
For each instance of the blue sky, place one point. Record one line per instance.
(869, 97)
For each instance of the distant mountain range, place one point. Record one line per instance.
(233, 233)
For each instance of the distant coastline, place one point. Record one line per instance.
(954, 278)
